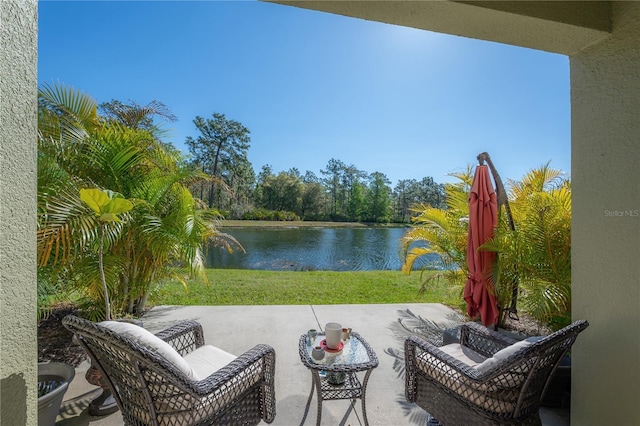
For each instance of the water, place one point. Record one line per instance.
(308, 248)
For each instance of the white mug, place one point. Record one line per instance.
(333, 332)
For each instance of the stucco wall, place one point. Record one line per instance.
(605, 152)
(18, 126)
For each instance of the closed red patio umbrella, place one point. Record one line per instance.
(479, 291)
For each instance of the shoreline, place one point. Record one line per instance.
(301, 224)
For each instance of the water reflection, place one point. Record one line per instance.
(307, 248)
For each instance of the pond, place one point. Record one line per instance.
(309, 248)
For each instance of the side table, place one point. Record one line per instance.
(356, 356)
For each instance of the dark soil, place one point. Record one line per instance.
(527, 326)
(55, 342)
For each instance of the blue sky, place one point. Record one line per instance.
(312, 86)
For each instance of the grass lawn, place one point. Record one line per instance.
(250, 287)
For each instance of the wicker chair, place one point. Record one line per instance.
(172, 378)
(486, 379)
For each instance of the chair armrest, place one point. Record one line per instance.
(254, 368)
(425, 360)
(184, 337)
(483, 340)
(261, 359)
(416, 346)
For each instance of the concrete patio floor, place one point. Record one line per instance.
(238, 328)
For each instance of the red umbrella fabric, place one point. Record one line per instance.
(479, 291)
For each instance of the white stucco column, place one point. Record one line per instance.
(605, 154)
(18, 127)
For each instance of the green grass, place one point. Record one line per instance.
(247, 287)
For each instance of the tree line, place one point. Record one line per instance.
(342, 192)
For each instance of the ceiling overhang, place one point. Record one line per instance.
(564, 27)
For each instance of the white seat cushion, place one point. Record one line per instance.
(206, 360)
(151, 342)
(463, 353)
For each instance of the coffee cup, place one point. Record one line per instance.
(333, 332)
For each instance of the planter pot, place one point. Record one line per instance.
(336, 378)
(53, 382)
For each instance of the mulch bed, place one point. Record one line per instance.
(55, 342)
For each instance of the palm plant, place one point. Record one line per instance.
(66, 229)
(442, 232)
(107, 206)
(538, 252)
(535, 258)
(167, 226)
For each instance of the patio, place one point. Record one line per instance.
(238, 328)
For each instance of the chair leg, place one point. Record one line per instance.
(433, 421)
(306, 408)
(105, 403)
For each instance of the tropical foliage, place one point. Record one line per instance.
(537, 255)
(106, 205)
(442, 231)
(535, 258)
(79, 149)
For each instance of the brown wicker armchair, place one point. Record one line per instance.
(486, 379)
(172, 378)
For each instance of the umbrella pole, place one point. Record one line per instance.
(503, 200)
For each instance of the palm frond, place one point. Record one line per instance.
(63, 108)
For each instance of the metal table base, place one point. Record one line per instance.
(352, 388)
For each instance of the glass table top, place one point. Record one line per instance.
(356, 354)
